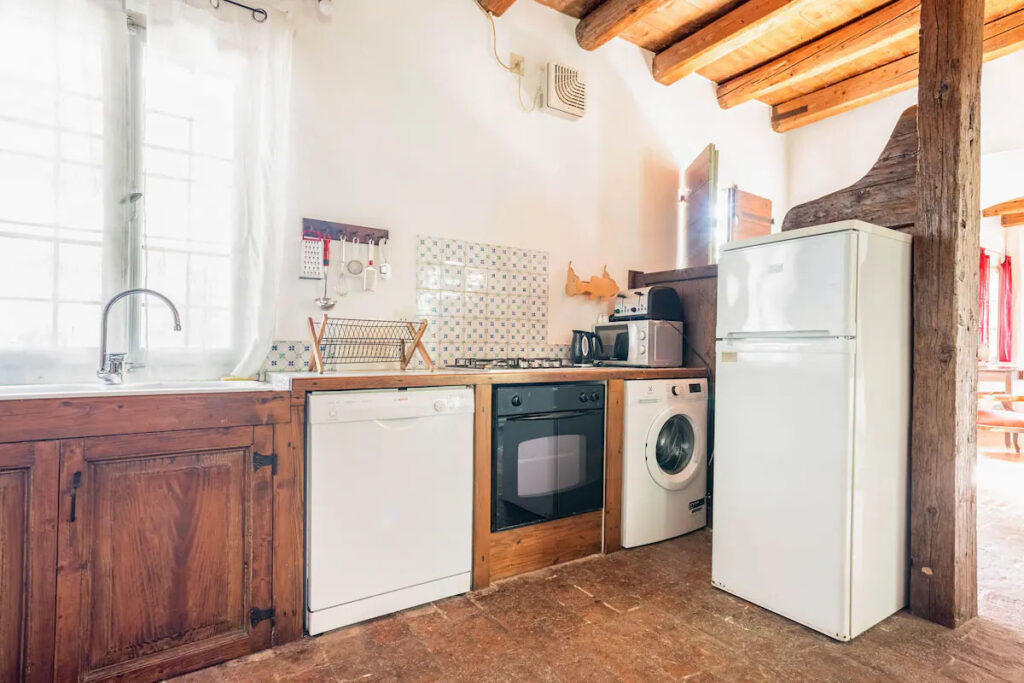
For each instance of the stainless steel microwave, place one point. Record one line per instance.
(641, 343)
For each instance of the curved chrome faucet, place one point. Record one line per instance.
(112, 364)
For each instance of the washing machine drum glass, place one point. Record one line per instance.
(675, 444)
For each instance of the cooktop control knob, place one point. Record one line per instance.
(595, 396)
(583, 397)
(516, 401)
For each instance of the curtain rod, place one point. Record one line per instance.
(259, 15)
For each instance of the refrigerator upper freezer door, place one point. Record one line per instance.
(783, 478)
(799, 287)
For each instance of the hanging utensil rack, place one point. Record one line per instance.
(338, 341)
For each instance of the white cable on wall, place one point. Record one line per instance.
(506, 67)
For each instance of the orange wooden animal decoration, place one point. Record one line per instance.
(597, 287)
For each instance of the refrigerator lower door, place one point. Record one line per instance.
(783, 478)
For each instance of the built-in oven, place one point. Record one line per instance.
(547, 452)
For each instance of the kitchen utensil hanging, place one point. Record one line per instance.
(342, 285)
(326, 303)
(370, 272)
(355, 267)
(337, 341)
(385, 259)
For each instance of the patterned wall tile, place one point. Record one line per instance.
(483, 300)
(452, 278)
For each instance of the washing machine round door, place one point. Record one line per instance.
(675, 450)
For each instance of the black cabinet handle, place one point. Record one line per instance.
(76, 481)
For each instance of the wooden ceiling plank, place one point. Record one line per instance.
(1002, 36)
(742, 24)
(1012, 206)
(496, 7)
(893, 22)
(611, 18)
(1012, 220)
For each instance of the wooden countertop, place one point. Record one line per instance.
(301, 382)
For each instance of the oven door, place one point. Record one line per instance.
(546, 466)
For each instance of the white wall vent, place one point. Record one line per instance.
(566, 94)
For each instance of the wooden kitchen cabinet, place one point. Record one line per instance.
(28, 541)
(164, 553)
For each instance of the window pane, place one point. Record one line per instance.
(54, 76)
(27, 270)
(78, 325)
(76, 279)
(27, 189)
(33, 328)
(191, 216)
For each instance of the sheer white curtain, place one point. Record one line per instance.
(142, 143)
(216, 116)
(62, 132)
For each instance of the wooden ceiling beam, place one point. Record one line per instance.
(894, 22)
(496, 7)
(611, 18)
(746, 22)
(1002, 36)
(1012, 206)
(1011, 220)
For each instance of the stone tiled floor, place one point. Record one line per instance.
(648, 614)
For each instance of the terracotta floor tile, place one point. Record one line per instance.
(651, 614)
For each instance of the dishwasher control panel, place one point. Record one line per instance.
(387, 404)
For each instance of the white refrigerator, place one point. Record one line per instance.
(812, 425)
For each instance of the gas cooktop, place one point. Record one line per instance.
(510, 363)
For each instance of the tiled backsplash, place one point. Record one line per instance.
(482, 300)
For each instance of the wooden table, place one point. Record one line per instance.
(997, 372)
(1005, 373)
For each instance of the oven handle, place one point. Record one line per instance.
(552, 416)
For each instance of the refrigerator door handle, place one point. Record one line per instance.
(782, 335)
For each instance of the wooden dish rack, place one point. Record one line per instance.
(338, 341)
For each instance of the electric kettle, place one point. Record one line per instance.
(586, 347)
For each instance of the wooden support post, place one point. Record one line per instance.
(943, 584)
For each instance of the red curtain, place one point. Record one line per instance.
(1005, 314)
(983, 299)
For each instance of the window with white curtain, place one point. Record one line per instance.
(126, 160)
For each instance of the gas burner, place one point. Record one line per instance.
(510, 363)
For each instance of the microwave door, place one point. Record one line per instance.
(614, 342)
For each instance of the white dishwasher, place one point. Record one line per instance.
(389, 501)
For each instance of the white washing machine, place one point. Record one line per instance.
(664, 469)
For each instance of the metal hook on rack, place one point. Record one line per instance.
(259, 15)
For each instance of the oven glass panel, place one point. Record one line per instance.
(551, 464)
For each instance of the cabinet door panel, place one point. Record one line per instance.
(28, 488)
(159, 567)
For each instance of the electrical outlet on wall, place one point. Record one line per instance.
(517, 63)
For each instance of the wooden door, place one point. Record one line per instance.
(749, 215)
(28, 543)
(701, 180)
(164, 550)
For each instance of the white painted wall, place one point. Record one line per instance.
(402, 120)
